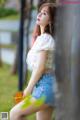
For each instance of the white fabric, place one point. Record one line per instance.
(43, 42)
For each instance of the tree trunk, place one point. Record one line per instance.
(68, 62)
(26, 41)
(15, 65)
(0, 58)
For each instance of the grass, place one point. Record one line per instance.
(11, 17)
(8, 88)
(7, 46)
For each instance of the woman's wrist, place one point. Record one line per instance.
(27, 91)
(29, 87)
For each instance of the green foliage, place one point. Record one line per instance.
(7, 12)
(2, 2)
(8, 88)
(34, 7)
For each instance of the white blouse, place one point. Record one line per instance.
(43, 42)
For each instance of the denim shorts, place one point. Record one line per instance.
(46, 87)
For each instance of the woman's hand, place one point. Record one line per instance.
(27, 91)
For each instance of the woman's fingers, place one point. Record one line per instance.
(26, 92)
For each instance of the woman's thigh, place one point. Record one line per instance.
(45, 114)
(32, 108)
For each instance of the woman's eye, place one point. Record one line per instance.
(44, 13)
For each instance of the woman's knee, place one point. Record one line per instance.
(14, 115)
(15, 112)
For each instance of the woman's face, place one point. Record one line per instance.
(43, 17)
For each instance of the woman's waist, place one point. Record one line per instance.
(46, 79)
(49, 70)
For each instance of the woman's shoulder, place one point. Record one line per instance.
(46, 37)
(44, 42)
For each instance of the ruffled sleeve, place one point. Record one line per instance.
(44, 42)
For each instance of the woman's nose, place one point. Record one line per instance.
(39, 15)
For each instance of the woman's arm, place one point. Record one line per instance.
(37, 72)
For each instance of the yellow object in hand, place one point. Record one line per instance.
(28, 102)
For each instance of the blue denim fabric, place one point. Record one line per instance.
(46, 87)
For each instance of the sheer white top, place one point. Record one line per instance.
(43, 42)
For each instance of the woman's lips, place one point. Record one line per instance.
(38, 19)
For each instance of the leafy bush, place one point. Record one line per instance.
(7, 12)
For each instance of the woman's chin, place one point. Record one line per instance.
(37, 22)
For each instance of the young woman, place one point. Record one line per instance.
(40, 60)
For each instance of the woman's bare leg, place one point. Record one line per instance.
(17, 113)
(45, 114)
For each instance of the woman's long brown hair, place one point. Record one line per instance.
(50, 28)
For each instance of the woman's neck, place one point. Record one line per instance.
(42, 29)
